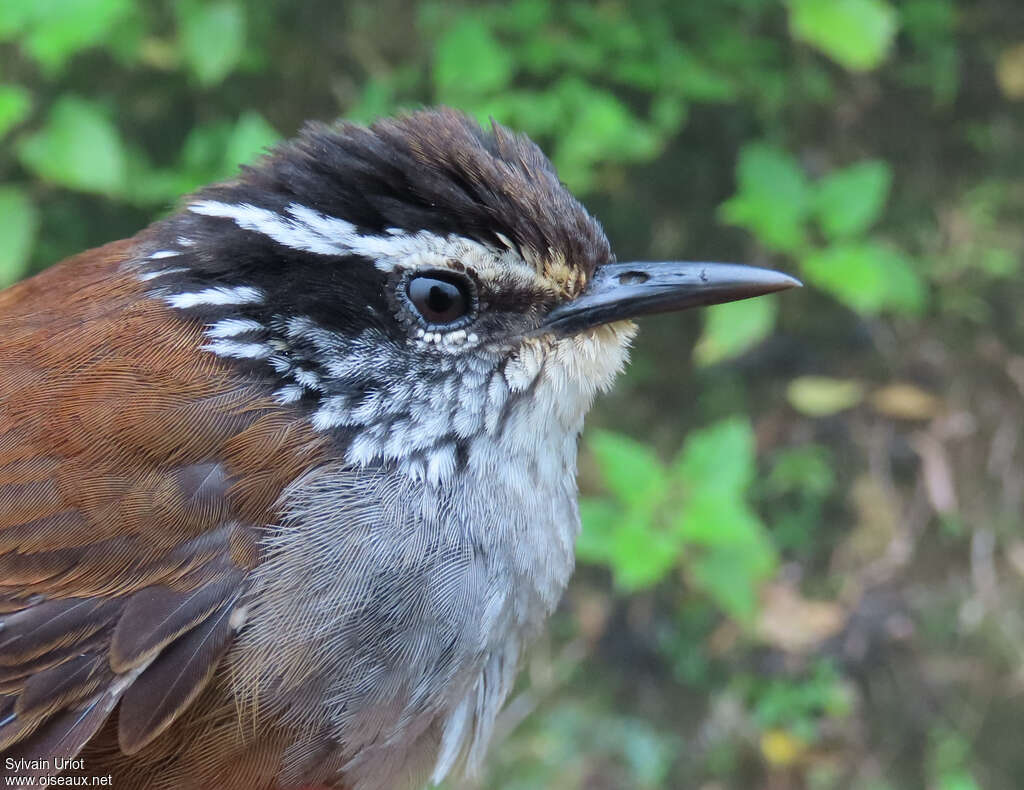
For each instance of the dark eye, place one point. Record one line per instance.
(440, 299)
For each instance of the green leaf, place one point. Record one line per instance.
(773, 198)
(696, 80)
(376, 98)
(849, 201)
(156, 187)
(668, 113)
(716, 518)
(719, 459)
(638, 553)
(958, 780)
(867, 277)
(856, 34)
(807, 468)
(60, 28)
(251, 137)
(204, 147)
(211, 152)
(470, 62)
(820, 396)
(600, 519)
(522, 16)
(732, 576)
(642, 555)
(535, 112)
(78, 148)
(19, 221)
(603, 127)
(598, 128)
(906, 293)
(735, 553)
(15, 103)
(212, 38)
(733, 328)
(15, 17)
(631, 470)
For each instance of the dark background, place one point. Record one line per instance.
(802, 564)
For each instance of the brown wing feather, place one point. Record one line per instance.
(63, 684)
(175, 678)
(135, 474)
(64, 734)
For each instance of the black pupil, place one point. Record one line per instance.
(438, 301)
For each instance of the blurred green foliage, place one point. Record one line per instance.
(689, 513)
(855, 33)
(801, 562)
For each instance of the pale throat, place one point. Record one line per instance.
(532, 454)
(571, 371)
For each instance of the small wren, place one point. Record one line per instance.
(287, 480)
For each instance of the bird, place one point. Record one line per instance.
(288, 479)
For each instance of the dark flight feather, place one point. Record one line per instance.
(64, 735)
(172, 681)
(63, 684)
(50, 625)
(157, 615)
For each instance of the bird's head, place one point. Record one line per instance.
(416, 285)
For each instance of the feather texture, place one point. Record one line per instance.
(64, 735)
(157, 615)
(63, 683)
(125, 538)
(49, 626)
(169, 685)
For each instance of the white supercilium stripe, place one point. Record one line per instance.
(302, 228)
(241, 294)
(289, 232)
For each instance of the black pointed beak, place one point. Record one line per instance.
(619, 291)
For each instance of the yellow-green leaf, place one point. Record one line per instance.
(1010, 72)
(15, 103)
(719, 459)
(251, 137)
(212, 38)
(60, 28)
(79, 147)
(773, 197)
(820, 396)
(866, 276)
(855, 33)
(19, 221)
(849, 201)
(469, 61)
(631, 470)
(733, 328)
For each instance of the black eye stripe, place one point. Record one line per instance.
(443, 300)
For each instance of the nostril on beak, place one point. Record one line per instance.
(633, 278)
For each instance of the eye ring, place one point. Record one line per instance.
(440, 299)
